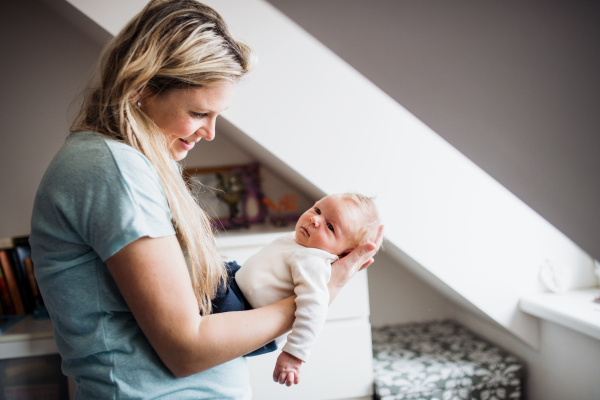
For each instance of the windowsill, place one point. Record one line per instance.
(574, 309)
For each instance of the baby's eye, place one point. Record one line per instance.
(330, 227)
(318, 211)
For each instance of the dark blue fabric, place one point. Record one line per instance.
(231, 298)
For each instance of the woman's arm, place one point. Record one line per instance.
(153, 278)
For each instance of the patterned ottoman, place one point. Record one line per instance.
(441, 360)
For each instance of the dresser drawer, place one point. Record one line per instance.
(340, 367)
(353, 300)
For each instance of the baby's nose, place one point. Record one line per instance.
(314, 220)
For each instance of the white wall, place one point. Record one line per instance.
(398, 296)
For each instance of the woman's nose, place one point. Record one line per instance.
(207, 132)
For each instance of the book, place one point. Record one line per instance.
(24, 252)
(5, 300)
(11, 281)
(35, 289)
(17, 256)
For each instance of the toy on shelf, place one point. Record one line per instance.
(288, 202)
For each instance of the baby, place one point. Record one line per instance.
(300, 264)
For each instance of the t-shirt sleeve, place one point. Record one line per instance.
(111, 198)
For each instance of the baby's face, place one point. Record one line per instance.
(328, 225)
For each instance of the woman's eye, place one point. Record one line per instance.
(318, 211)
(199, 115)
(330, 227)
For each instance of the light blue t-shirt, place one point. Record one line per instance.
(97, 196)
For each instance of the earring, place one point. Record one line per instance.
(139, 103)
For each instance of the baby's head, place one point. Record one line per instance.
(338, 223)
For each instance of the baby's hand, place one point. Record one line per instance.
(287, 369)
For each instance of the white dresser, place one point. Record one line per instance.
(340, 366)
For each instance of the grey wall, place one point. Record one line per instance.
(45, 64)
(513, 85)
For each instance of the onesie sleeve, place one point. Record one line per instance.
(311, 273)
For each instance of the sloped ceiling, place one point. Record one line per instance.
(512, 85)
(332, 130)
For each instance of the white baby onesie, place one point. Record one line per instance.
(280, 270)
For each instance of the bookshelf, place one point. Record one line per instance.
(21, 335)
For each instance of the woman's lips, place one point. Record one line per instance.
(187, 146)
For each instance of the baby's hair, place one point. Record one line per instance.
(369, 218)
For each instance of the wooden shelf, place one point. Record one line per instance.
(29, 337)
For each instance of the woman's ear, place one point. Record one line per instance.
(139, 95)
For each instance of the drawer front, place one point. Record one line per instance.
(352, 302)
(340, 367)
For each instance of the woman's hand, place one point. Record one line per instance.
(345, 268)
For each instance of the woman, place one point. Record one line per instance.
(113, 218)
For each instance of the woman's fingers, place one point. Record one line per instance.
(361, 255)
(370, 249)
(345, 268)
(379, 239)
(365, 265)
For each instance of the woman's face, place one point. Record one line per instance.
(187, 115)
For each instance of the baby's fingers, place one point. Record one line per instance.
(282, 377)
(290, 379)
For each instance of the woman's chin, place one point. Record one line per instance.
(178, 156)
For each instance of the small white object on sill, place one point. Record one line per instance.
(557, 278)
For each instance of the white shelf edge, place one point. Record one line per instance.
(255, 236)
(574, 309)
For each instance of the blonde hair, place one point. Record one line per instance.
(169, 45)
(368, 221)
